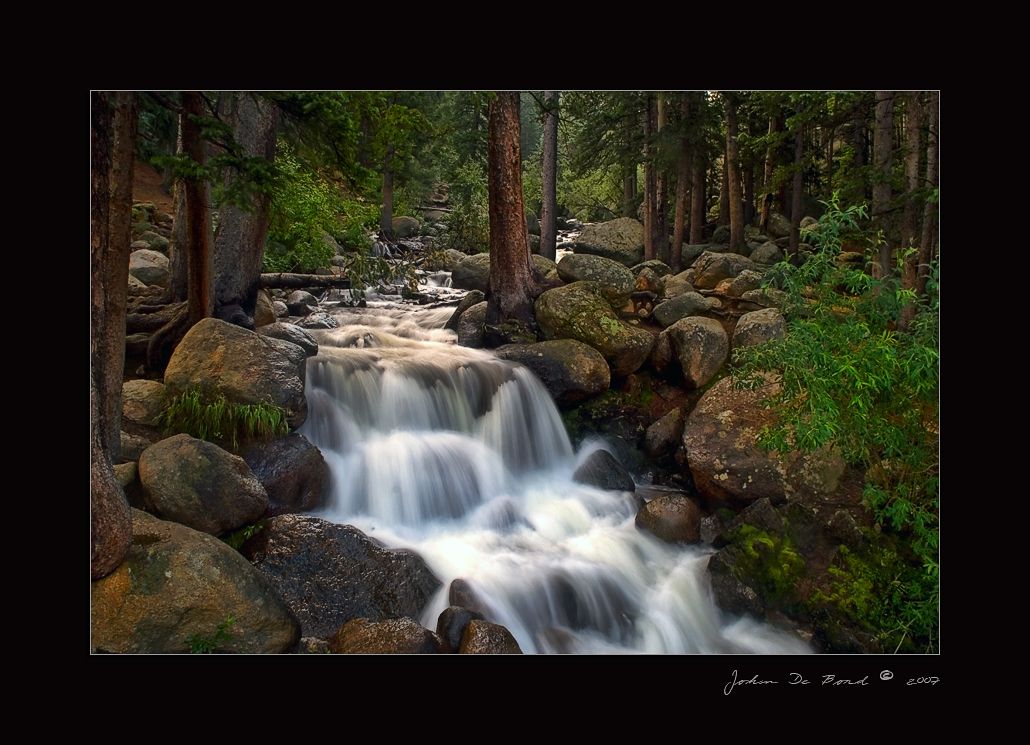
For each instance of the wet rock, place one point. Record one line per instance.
(569, 369)
(394, 636)
(601, 469)
(292, 471)
(483, 637)
(671, 519)
(452, 623)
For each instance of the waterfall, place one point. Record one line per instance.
(463, 458)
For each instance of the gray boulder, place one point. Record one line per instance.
(197, 484)
(293, 334)
(683, 306)
(759, 327)
(601, 469)
(149, 267)
(620, 240)
(292, 471)
(473, 273)
(711, 268)
(569, 369)
(697, 346)
(405, 227)
(617, 282)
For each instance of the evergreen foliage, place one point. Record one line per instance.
(215, 418)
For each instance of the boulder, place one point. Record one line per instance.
(473, 273)
(720, 437)
(483, 637)
(301, 302)
(451, 625)
(746, 281)
(758, 327)
(569, 369)
(177, 583)
(405, 227)
(698, 346)
(712, 268)
(396, 636)
(472, 326)
(671, 519)
(683, 306)
(601, 469)
(767, 254)
(620, 240)
(474, 297)
(143, 401)
(581, 311)
(218, 357)
(149, 267)
(318, 320)
(197, 484)
(664, 436)
(547, 268)
(617, 282)
(264, 311)
(292, 471)
(331, 574)
(292, 333)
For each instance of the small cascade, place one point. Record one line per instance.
(463, 457)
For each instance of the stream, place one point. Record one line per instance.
(463, 457)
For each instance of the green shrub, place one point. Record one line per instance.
(468, 223)
(215, 418)
(849, 380)
(208, 644)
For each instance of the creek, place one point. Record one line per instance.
(463, 458)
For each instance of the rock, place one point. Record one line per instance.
(318, 320)
(405, 227)
(473, 273)
(664, 436)
(176, 583)
(620, 240)
(601, 469)
(712, 268)
(483, 637)
(451, 625)
(197, 484)
(759, 327)
(471, 326)
(683, 306)
(217, 357)
(677, 285)
(133, 446)
(779, 226)
(569, 369)
(547, 268)
(671, 519)
(292, 471)
(660, 268)
(721, 234)
(149, 267)
(474, 297)
(769, 297)
(767, 254)
(617, 282)
(720, 437)
(143, 401)
(736, 286)
(532, 224)
(461, 594)
(698, 346)
(156, 241)
(581, 311)
(301, 302)
(293, 334)
(281, 311)
(648, 280)
(331, 574)
(264, 311)
(394, 636)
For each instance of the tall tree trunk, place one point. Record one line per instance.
(737, 243)
(110, 521)
(239, 243)
(198, 214)
(767, 187)
(661, 224)
(509, 314)
(929, 208)
(629, 192)
(549, 208)
(682, 189)
(724, 191)
(798, 201)
(698, 194)
(882, 144)
(650, 184)
(910, 218)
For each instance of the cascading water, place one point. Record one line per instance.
(463, 457)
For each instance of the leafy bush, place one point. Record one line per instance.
(207, 645)
(468, 224)
(849, 380)
(215, 418)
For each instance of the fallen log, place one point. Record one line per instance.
(287, 281)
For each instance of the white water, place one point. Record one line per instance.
(464, 458)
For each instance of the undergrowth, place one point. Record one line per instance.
(215, 418)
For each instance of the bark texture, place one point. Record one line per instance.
(548, 222)
(799, 183)
(882, 146)
(926, 243)
(736, 197)
(682, 189)
(510, 296)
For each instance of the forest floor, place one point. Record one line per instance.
(146, 187)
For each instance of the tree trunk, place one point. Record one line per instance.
(198, 214)
(386, 216)
(110, 522)
(929, 209)
(178, 258)
(661, 224)
(910, 218)
(799, 182)
(629, 192)
(240, 240)
(882, 142)
(682, 189)
(698, 194)
(509, 314)
(548, 211)
(650, 184)
(737, 243)
(770, 163)
(724, 192)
